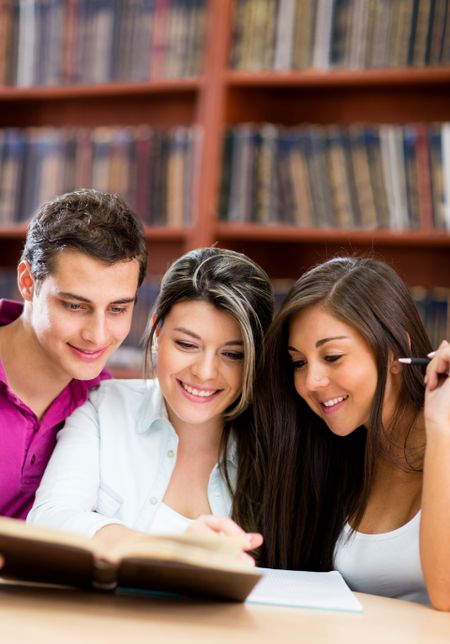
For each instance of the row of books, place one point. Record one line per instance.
(58, 42)
(433, 305)
(346, 177)
(355, 34)
(150, 168)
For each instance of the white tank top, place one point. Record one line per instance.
(385, 564)
(168, 521)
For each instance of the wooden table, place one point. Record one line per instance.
(34, 615)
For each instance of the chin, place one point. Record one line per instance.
(86, 373)
(342, 433)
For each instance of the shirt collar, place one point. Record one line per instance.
(154, 415)
(153, 408)
(10, 310)
(232, 453)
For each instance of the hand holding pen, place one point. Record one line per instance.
(442, 368)
(439, 365)
(437, 392)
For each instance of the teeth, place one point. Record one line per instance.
(334, 401)
(198, 392)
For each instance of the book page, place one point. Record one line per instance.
(298, 588)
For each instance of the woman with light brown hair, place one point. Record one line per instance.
(175, 452)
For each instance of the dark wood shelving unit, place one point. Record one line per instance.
(222, 97)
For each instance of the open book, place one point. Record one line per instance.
(198, 565)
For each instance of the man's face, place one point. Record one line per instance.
(80, 313)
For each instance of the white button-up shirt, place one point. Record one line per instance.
(113, 462)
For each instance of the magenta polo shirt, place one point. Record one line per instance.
(26, 443)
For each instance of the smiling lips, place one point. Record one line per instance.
(194, 393)
(333, 403)
(87, 355)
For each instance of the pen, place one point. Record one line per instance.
(418, 361)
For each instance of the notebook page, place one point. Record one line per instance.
(298, 588)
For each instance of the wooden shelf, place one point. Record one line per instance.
(405, 76)
(13, 232)
(168, 86)
(160, 104)
(226, 231)
(152, 234)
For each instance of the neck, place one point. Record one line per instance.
(30, 373)
(205, 437)
(405, 440)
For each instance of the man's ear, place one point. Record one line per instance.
(25, 281)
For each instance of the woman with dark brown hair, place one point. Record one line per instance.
(356, 467)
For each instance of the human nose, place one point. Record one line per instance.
(205, 366)
(94, 330)
(316, 378)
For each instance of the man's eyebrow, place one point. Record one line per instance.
(182, 329)
(323, 341)
(80, 298)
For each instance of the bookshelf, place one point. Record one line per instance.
(220, 97)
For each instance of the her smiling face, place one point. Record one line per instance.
(200, 363)
(334, 369)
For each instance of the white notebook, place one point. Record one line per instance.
(298, 588)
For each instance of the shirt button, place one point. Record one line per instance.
(170, 453)
(153, 500)
(33, 459)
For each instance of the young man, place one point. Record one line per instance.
(84, 258)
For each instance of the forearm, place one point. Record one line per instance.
(60, 515)
(115, 534)
(435, 523)
(67, 496)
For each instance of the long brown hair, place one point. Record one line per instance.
(234, 283)
(312, 480)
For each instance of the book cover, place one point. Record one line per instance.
(436, 29)
(305, 19)
(319, 176)
(284, 41)
(267, 189)
(245, 151)
(423, 172)
(377, 175)
(11, 183)
(5, 39)
(340, 175)
(437, 175)
(381, 30)
(412, 179)
(418, 46)
(341, 33)
(204, 566)
(303, 214)
(364, 192)
(394, 175)
(287, 197)
(322, 34)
